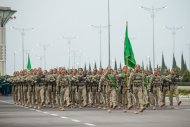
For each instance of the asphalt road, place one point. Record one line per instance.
(17, 116)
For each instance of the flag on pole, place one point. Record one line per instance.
(128, 51)
(29, 63)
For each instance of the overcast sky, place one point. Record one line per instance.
(52, 19)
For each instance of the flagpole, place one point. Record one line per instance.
(127, 62)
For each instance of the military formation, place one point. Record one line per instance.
(106, 89)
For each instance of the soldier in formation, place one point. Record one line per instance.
(106, 89)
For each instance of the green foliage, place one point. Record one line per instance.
(163, 65)
(115, 66)
(183, 83)
(184, 91)
(186, 76)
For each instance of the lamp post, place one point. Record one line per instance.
(152, 12)
(69, 39)
(44, 46)
(173, 30)
(14, 54)
(109, 33)
(23, 33)
(5, 15)
(100, 27)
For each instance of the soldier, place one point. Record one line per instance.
(122, 81)
(173, 88)
(40, 88)
(51, 90)
(166, 85)
(30, 88)
(64, 90)
(155, 89)
(81, 90)
(74, 88)
(111, 87)
(135, 85)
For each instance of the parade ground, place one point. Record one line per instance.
(17, 116)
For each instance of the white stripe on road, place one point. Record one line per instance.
(187, 109)
(46, 112)
(74, 120)
(89, 124)
(64, 117)
(54, 114)
(38, 111)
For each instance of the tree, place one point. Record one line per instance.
(182, 65)
(95, 67)
(174, 65)
(186, 76)
(150, 67)
(89, 67)
(120, 65)
(143, 65)
(85, 67)
(115, 66)
(163, 65)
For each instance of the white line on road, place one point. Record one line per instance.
(187, 109)
(74, 120)
(64, 117)
(89, 124)
(46, 112)
(54, 114)
(32, 109)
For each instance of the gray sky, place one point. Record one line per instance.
(51, 19)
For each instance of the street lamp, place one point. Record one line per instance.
(100, 27)
(152, 12)
(75, 54)
(69, 39)
(5, 15)
(14, 54)
(40, 58)
(44, 46)
(109, 33)
(173, 30)
(23, 32)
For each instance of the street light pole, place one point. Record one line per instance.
(14, 61)
(23, 32)
(100, 27)
(109, 33)
(173, 30)
(44, 46)
(152, 12)
(69, 39)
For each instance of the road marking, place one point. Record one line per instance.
(38, 111)
(89, 124)
(46, 112)
(54, 114)
(187, 109)
(74, 120)
(64, 117)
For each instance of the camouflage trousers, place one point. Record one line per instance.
(173, 90)
(64, 96)
(138, 96)
(156, 96)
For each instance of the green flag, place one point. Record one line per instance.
(128, 51)
(29, 64)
